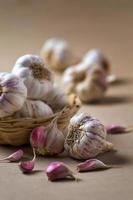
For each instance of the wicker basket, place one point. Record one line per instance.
(17, 131)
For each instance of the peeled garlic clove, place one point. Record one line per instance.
(86, 137)
(14, 157)
(57, 99)
(58, 170)
(57, 54)
(47, 140)
(28, 166)
(12, 94)
(35, 74)
(34, 109)
(96, 56)
(91, 165)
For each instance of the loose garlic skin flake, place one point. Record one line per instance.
(36, 76)
(57, 54)
(13, 94)
(86, 137)
(34, 109)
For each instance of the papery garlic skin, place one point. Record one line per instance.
(47, 140)
(57, 99)
(12, 94)
(34, 109)
(35, 74)
(86, 137)
(57, 54)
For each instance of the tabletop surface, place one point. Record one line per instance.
(104, 24)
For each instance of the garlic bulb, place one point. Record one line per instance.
(36, 76)
(12, 94)
(93, 88)
(34, 109)
(47, 140)
(57, 99)
(95, 56)
(57, 53)
(86, 137)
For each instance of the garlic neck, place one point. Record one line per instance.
(39, 72)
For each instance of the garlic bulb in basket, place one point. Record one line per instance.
(34, 109)
(36, 76)
(12, 94)
(57, 54)
(57, 99)
(86, 137)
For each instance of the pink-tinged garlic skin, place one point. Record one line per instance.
(14, 157)
(13, 94)
(86, 137)
(58, 170)
(116, 129)
(27, 166)
(36, 76)
(91, 165)
(47, 140)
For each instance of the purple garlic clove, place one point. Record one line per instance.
(91, 165)
(16, 156)
(58, 170)
(28, 166)
(116, 129)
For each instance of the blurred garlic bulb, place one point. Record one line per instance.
(57, 99)
(34, 109)
(12, 94)
(93, 88)
(95, 56)
(36, 76)
(57, 54)
(86, 137)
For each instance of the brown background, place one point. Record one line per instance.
(108, 25)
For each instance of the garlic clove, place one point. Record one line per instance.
(28, 166)
(14, 157)
(116, 129)
(58, 170)
(91, 165)
(47, 140)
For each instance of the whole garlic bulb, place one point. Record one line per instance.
(57, 99)
(94, 87)
(12, 94)
(95, 56)
(57, 53)
(36, 76)
(34, 109)
(86, 137)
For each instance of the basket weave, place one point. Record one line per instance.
(17, 131)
